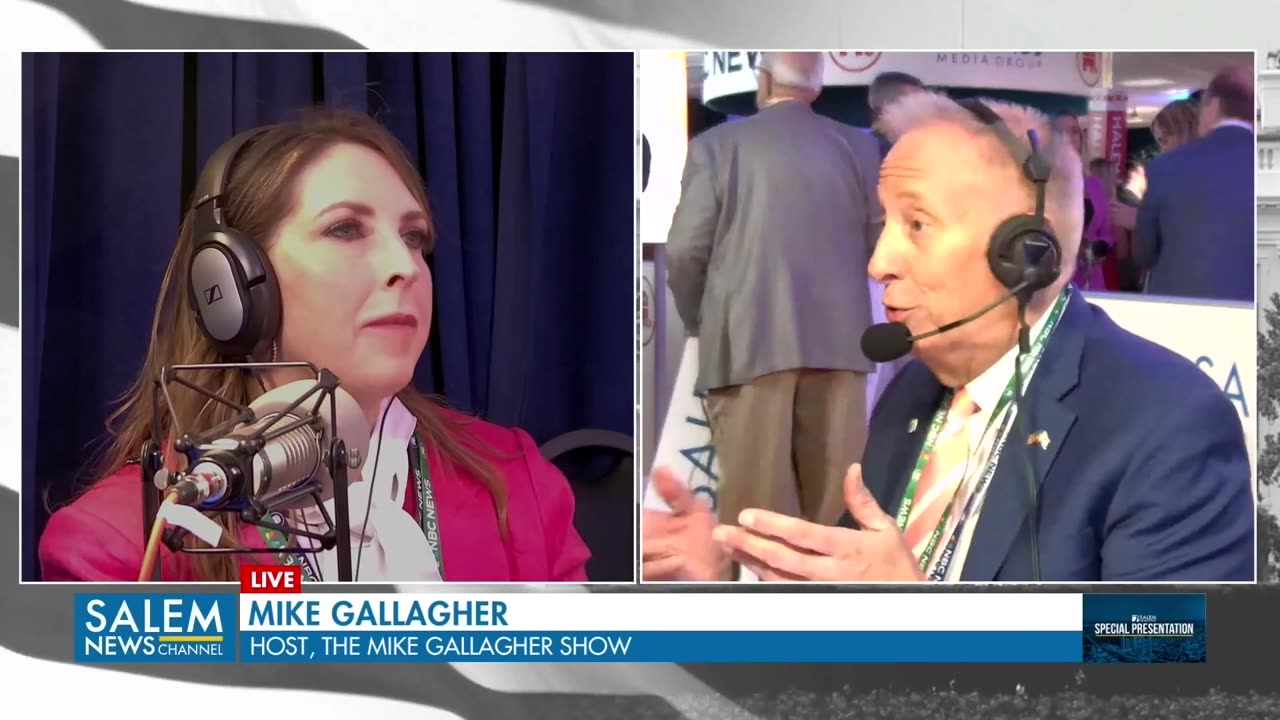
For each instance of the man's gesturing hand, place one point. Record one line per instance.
(678, 545)
(780, 547)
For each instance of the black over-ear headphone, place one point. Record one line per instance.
(1023, 249)
(231, 284)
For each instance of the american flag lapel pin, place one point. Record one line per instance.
(1040, 438)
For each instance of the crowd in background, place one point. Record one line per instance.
(787, 218)
(1197, 230)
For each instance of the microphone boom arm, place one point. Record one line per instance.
(155, 477)
(1014, 293)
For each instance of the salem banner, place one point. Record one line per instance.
(648, 358)
(1219, 338)
(684, 444)
(1066, 73)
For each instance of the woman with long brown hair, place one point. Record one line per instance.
(1175, 125)
(342, 222)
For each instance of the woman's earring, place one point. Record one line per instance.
(275, 352)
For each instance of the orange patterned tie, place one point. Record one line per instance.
(942, 474)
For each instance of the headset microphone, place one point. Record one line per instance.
(886, 342)
(1025, 257)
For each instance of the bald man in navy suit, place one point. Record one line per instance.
(1122, 462)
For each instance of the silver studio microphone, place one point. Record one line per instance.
(284, 471)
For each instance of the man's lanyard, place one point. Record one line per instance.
(1029, 363)
(427, 517)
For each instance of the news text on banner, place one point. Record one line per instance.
(659, 628)
(291, 626)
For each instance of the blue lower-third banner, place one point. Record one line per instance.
(662, 646)
(750, 627)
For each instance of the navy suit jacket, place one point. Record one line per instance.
(1145, 478)
(1196, 222)
(885, 144)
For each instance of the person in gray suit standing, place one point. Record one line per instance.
(767, 261)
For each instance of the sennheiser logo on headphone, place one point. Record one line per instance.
(213, 295)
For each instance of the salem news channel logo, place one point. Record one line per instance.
(156, 628)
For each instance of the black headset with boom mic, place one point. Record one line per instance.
(1023, 253)
(1025, 256)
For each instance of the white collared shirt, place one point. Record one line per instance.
(387, 542)
(985, 390)
(1231, 122)
(779, 100)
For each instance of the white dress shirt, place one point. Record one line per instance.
(1231, 122)
(985, 390)
(387, 542)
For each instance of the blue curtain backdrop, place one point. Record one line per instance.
(528, 164)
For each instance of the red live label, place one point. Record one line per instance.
(270, 579)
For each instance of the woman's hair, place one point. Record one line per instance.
(1179, 119)
(260, 195)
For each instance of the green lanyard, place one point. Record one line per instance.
(1029, 362)
(427, 516)
(949, 550)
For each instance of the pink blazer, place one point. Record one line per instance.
(99, 536)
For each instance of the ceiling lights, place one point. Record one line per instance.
(1147, 82)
